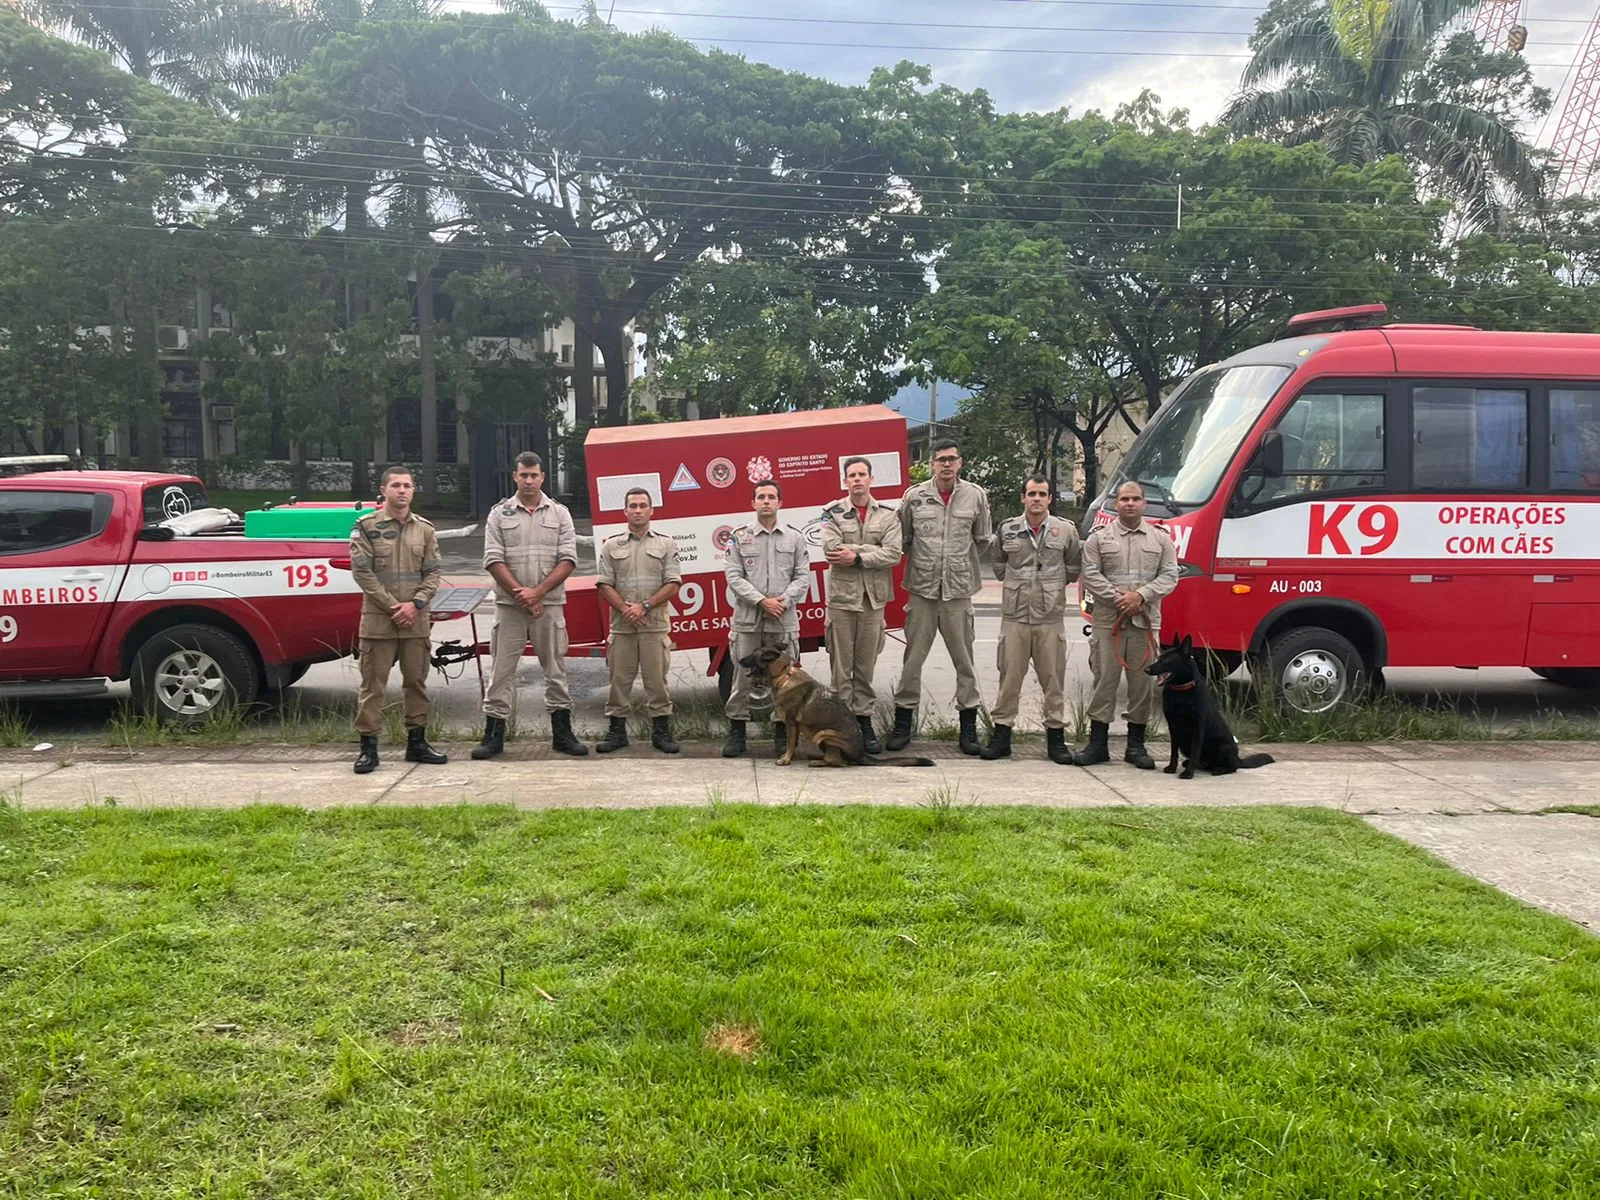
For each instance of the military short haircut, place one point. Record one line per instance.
(632, 492)
(529, 459)
(945, 444)
(850, 462)
(771, 483)
(1126, 483)
(391, 471)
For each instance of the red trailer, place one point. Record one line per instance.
(701, 474)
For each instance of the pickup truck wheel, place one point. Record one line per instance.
(186, 673)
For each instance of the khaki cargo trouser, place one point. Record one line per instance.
(1045, 647)
(952, 621)
(515, 628)
(1135, 647)
(742, 645)
(630, 655)
(855, 639)
(378, 656)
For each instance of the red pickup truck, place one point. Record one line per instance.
(114, 575)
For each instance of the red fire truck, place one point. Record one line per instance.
(120, 575)
(1398, 495)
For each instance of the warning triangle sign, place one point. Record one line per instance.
(684, 480)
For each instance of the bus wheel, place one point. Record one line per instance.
(1584, 678)
(1313, 670)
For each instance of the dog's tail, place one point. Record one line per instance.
(1250, 761)
(902, 760)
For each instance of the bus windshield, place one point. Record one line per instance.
(1185, 449)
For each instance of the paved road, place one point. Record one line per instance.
(1506, 696)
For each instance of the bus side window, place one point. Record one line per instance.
(1469, 439)
(1332, 442)
(1574, 440)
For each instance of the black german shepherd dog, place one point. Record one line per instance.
(1194, 722)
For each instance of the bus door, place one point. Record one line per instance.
(1564, 620)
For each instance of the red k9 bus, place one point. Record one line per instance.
(1401, 495)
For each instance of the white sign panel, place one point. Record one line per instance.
(1452, 530)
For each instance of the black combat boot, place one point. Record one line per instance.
(418, 750)
(494, 739)
(969, 732)
(780, 739)
(869, 740)
(1055, 747)
(999, 744)
(1136, 753)
(1096, 752)
(616, 737)
(367, 760)
(734, 747)
(661, 735)
(900, 735)
(561, 739)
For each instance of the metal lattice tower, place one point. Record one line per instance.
(1577, 141)
(1493, 20)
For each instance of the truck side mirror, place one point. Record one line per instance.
(1269, 455)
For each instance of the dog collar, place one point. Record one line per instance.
(787, 675)
(1182, 687)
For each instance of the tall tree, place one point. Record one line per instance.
(606, 164)
(1353, 76)
(1073, 289)
(755, 337)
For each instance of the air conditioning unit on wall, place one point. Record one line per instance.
(172, 337)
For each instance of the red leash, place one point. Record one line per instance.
(1151, 650)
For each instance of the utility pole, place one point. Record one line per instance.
(933, 408)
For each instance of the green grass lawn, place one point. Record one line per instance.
(796, 1002)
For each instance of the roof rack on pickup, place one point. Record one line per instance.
(21, 464)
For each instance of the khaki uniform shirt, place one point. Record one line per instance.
(393, 563)
(766, 562)
(1035, 572)
(867, 583)
(1143, 560)
(637, 567)
(943, 541)
(530, 543)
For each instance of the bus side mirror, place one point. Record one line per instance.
(1269, 455)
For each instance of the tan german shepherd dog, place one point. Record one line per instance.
(806, 710)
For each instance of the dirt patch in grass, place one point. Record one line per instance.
(736, 1041)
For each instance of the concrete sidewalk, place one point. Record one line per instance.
(1476, 805)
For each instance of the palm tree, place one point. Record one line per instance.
(174, 44)
(1349, 76)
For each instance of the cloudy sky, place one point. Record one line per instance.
(1028, 54)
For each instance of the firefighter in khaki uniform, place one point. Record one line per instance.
(1038, 557)
(530, 547)
(1128, 566)
(639, 576)
(394, 557)
(861, 539)
(768, 568)
(945, 524)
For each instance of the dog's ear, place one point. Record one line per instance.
(1187, 645)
